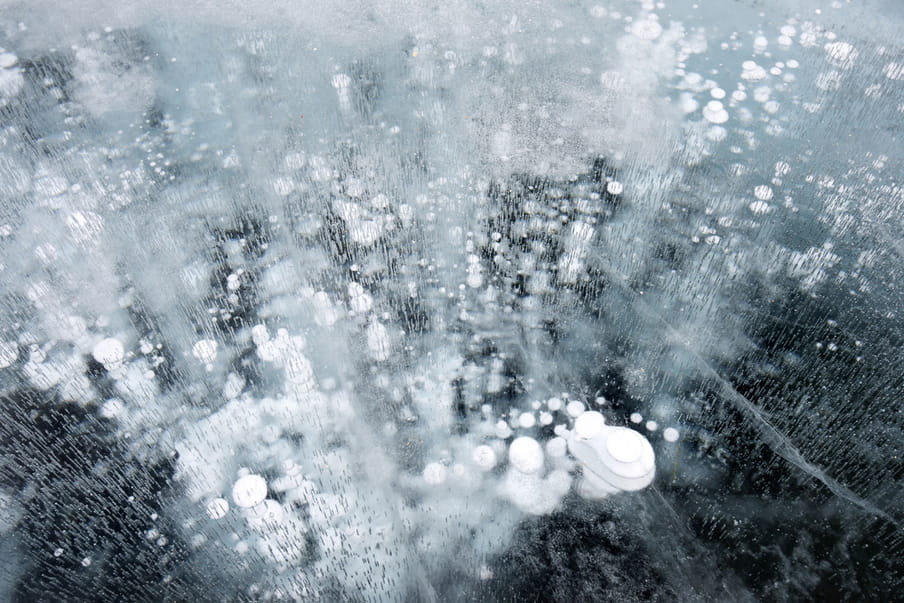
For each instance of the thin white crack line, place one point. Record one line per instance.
(772, 436)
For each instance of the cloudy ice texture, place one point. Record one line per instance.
(367, 275)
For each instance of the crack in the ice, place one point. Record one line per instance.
(776, 440)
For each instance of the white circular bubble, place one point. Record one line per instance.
(841, 54)
(341, 80)
(636, 417)
(625, 445)
(575, 408)
(589, 424)
(688, 104)
(484, 457)
(554, 404)
(379, 343)
(527, 420)
(715, 113)
(84, 226)
(759, 207)
(249, 490)
(359, 300)
(205, 350)
(716, 133)
(762, 93)
(9, 352)
(108, 352)
(259, 334)
(112, 408)
(502, 430)
(217, 508)
(435, 473)
(752, 72)
(283, 186)
(894, 71)
(474, 278)
(647, 29)
(614, 187)
(526, 455)
(296, 161)
(670, 434)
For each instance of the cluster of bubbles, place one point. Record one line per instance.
(331, 376)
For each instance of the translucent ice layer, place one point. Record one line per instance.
(472, 301)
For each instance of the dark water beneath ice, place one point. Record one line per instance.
(322, 302)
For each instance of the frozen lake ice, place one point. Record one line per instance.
(465, 301)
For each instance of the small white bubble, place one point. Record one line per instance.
(575, 408)
(714, 112)
(763, 192)
(205, 350)
(7, 60)
(112, 408)
(217, 508)
(526, 455)
(647, 29)
(108, 352)
(484, 457)
(894, 71)
(759, 207)
(435, 473)
(249, 490)
(9, 352)
(589, 424)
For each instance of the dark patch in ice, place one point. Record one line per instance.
(584, 552)
(88, 506)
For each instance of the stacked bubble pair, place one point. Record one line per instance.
(613, 459)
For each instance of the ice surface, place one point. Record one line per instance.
(472, 301)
